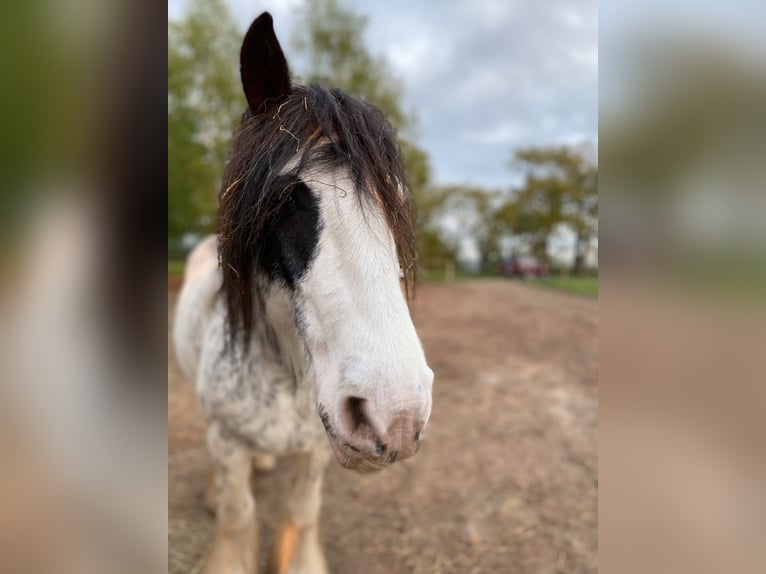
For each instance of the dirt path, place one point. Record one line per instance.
(506, 479)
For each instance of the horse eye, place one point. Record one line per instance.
(301, 197)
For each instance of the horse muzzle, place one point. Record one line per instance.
(367, 438)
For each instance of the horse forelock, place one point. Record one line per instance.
(313, 128)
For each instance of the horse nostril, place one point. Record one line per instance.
(354, 412)
(380, 447)
(358, 425)
(383, 434)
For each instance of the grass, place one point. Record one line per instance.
(587, 286)
(438, 276)
(175, 268)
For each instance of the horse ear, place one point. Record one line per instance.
(262, 65)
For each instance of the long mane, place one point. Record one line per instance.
(317, 127)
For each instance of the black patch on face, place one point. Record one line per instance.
(290, 242)
(334, 131)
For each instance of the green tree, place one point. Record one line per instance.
(480, 223)
(429, 203)
(561, 188)
(434, 245)
(204, 104)
(331, 35)
(459, 212)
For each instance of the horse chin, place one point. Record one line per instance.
(362, 465)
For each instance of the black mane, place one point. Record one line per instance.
(329, 129)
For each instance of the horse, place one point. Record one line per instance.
(293, 320)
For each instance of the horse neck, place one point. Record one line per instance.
(275, 331)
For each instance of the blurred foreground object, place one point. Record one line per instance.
(81, 423)
(82, 406)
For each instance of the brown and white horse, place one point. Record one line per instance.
(292, 321)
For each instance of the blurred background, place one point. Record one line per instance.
(495, 104)
(682, 102)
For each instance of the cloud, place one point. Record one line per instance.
(486, 77)
(501, 134)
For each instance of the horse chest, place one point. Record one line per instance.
(259, 403)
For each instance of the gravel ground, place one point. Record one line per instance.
(506, 479)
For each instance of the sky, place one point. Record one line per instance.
(482, 77)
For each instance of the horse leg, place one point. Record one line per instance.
(296, 548)
(262, 462)
(235, 544)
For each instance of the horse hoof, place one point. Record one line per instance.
(233, 554)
